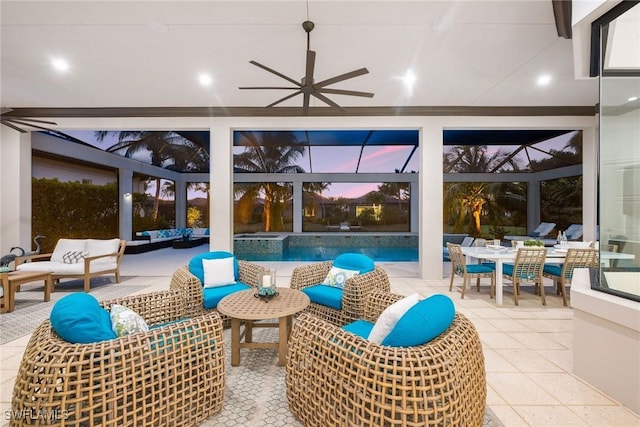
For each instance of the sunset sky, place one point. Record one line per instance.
(342, 159)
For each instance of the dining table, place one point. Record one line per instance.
(502, 254)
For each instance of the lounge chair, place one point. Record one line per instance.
(543, 230)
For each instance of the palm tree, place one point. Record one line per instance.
(472, 200)
(165, 149)
(269, 152)
(397, 190)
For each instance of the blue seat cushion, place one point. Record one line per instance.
(361, 328)
(479, 268)
(78, 318)
(353, 261)
(329, 296)
(423, 322)
(553, 269)
(212, 296)
(195, 264)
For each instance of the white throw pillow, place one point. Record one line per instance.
(67, 245)
(218, 272)
(125, 321)
(73, 257)
(390, 316)
(338, 276)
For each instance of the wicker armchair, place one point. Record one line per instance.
(335, 378)
(189, 285)
(355, 292)
(171, 375)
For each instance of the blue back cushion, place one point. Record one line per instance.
(78, 318)
(422, 322)
(212, 296)
(329, 296)
(195, 265)
(353, 261)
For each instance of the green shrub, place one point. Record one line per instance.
(73, 210)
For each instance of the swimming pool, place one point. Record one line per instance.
(399, 247)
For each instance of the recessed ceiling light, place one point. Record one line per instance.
(544, 80)
(633, 98)
(409, 79)
(205, 79)
(60, 64)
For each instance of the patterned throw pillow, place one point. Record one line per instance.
(338, 276)
(165, 233)
(73, 257)
(125, 321)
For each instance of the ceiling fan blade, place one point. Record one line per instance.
(327, 101)
(7, 123)
(346, 92)
(311, 63)
(298, 92)
(269, 87)
(16, 119)
(342, 77)
(28, 123)
(271, 70)
(305, 104)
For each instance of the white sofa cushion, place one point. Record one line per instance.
(61, 268)
(96, 247)
(68, 245)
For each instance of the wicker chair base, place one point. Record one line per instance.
(171, 375)
(355, 291)
(335, 378)
(183, 281)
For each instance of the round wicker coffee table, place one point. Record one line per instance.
(245, 307)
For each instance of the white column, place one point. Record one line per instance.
(15, 190)
(221, 175)
(125, 198)
(430, 211)
(181, 203)
(297, 207)
(533, 205)
(414, 206)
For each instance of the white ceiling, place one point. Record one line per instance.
(150, 53)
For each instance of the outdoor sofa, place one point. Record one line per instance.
(171, 375)
(79, 259)
(150, 240)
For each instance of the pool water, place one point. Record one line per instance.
(321, 253)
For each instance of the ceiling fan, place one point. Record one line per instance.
(15, 122)
(307, 86)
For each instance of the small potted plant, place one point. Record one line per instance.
(534, 242)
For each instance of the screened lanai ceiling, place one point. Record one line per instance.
(353, 151)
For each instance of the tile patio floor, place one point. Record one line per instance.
(528, 349)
